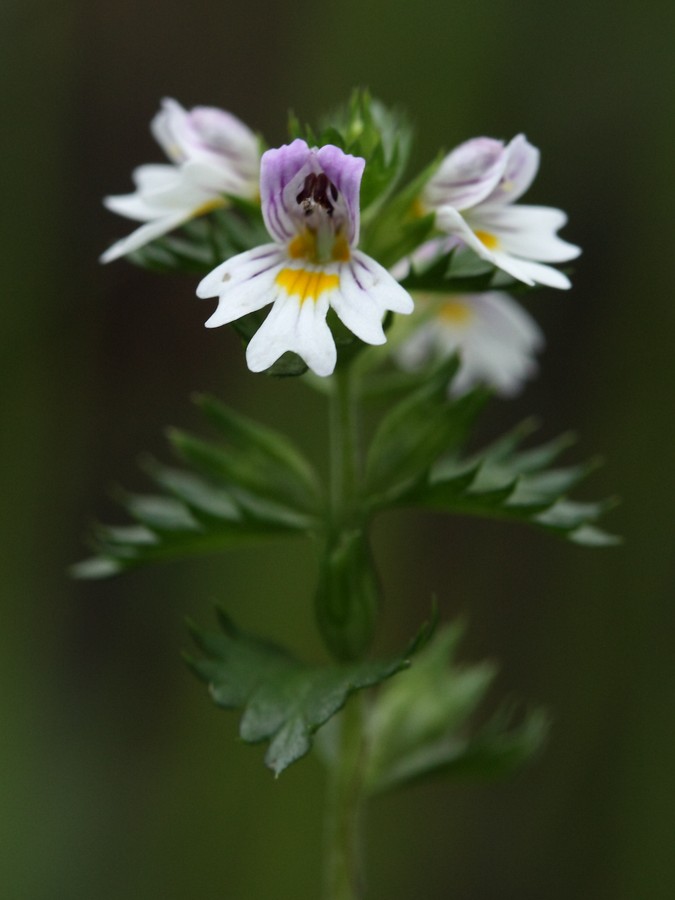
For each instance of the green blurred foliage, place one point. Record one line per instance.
(117, 776)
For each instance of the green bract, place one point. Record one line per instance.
(283, 700)
(252, 483)
(419, 724)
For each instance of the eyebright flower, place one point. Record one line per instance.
(495, 337)
(472, 195)
(213, 155)
(310, 205)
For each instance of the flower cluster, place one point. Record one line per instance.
(320, 259)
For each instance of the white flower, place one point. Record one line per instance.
(213, 155)
(495, 337)
(310, 204)
(472, 195)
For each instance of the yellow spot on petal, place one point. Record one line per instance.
(305, 283)
(456, 312)
(209, 206)
(341, 249)
(306, 246)
(491, 241)
(303, 246)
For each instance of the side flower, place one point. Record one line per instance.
(472, 195)
(496, 339)
(310, 205)
(213, 155)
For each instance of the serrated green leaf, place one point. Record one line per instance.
(568, 514)
(590, 536)
(196, 493)
(255, 487)
(245, 474)
(505, 482)
(425, 424)
(419, 724)
(121, 548)
(160, 513)
(498, 750)
(288, 474)
(283, 700)
(96, 567)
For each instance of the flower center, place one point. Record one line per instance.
(320, 237)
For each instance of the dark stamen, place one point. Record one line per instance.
(315, 193)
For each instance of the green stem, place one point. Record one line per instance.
(342, 859)
(343, 446)
(341, 588)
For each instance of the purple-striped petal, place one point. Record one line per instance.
(278, 168)
(467, 175)
(522, 165)
(345, 172)
(284, 190)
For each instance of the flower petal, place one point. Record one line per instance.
(131, 206)
(143, 235)
(153, 184)
(214, 138)
(215, 178)
(532, 272)
(367, 291)
(225, 137)
(451, 221)
(526, 231)
(495, 337)
(522, 165)
(296, 326)
(345, 172)
(162, 190)
(243, 283)
(169, 128)
(155, 176)
(508, 316)
(278, 168)
(467, 175)
(284, 175)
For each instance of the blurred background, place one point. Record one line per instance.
(117, 776)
